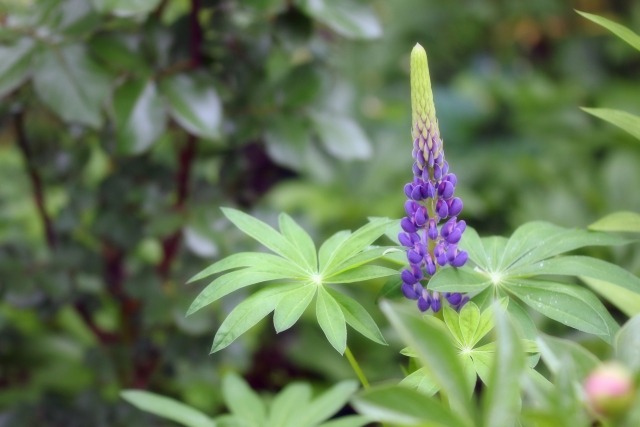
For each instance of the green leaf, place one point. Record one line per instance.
(258, 260)
(125, 8)
(231, 282)
(468, 319)
(264, 234)
(618, 221)
(342, 137)
(610, 281)
(399, 405)
(346, 17)
(522, 318)
(246, 314)
(139, 116)
(242, 401)
(501, 402)
(299, 239)
(626, 121)
(194, 104)
(357, 317)
(554, 350)
(331, 320)
(288, 406)
(483, 359)
(328, 403)
(619, 30)
(354, 243)
(485, 322)
(627, 301)
(15, 65)
(463, 280)
(535, 241)
(627, 344)
(329, 247)
(421, 381)
(568, 304)
(291, 307)
(365, 257)
(451, 319)
(360, 274)
(495, 249)
(66, 76)
(167, 408)
(429, 339)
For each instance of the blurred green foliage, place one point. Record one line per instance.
(125, 125)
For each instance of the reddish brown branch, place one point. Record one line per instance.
(196, 34)
(104, 337)
(34, 176)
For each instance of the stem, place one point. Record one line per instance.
(356, 368)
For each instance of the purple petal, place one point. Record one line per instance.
(408, 291)
(423, 304)
(407, 225)
(414, 257)
(420, 217)
(455, 206)
(460, 259)
(408, 277)
(442, 209)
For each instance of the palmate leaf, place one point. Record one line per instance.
(294, 278)
(512, 267)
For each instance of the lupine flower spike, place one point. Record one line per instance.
(430, 200)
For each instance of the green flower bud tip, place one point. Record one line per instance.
(423, 111)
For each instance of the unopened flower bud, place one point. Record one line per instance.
(610, 390)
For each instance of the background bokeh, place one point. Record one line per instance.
(125, 125)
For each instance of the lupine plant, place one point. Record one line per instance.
(474, 361)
